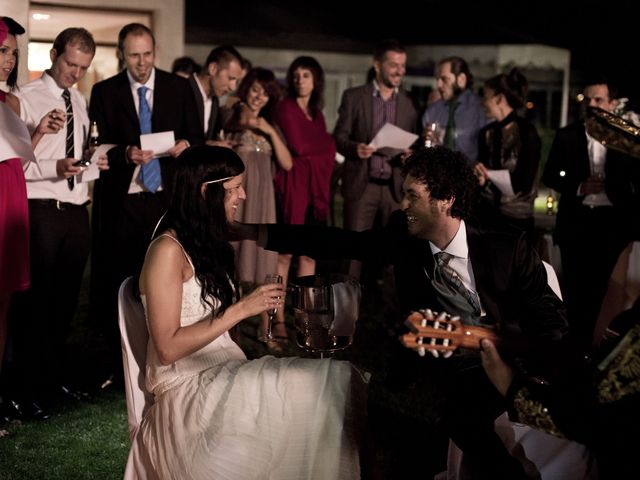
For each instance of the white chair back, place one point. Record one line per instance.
(134, 336)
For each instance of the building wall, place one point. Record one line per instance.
(167, 17)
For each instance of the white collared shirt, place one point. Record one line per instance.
(460, 263)
(208, 103)
(376, 88)
(597, 161)
(136, 185)
(150, 84)
(37, 99)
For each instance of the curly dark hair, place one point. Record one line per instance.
(446, 174)
(267, 80)
(200, 222)
(316, 102)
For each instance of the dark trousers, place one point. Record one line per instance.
(119, 250)
(471, 407)
(467, 405)
(60, 243)
(590, 246)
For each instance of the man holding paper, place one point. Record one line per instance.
(371, 179)
(148, 115)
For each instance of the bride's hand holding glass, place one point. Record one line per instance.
(273, 301)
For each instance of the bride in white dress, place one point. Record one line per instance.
(216, 414)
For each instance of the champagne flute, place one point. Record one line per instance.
(271, 313)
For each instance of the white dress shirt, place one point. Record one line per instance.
(597, 161)
(208, 103)
(136, 185)
(38, 98)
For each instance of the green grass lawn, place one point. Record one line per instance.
(86, 441)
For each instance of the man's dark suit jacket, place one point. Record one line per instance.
(510, 278)
(214, 125)
(354, 126)
(512, 284)
(113, 109)
(568, 166)
(120, 239)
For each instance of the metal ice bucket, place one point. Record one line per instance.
(323, 322)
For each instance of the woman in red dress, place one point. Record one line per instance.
(14, 214)
(302, 193)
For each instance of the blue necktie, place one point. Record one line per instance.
(149, 173)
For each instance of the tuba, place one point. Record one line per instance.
(613, 131)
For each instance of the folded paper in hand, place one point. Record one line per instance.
(502, 180)
(390, 136)
(92, 171)
(159, 142)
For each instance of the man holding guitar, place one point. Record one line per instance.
(442, 263)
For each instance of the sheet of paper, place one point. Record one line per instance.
(502, 180)
(159, 142)
(390, 136)
(92, 172)
(15, 141)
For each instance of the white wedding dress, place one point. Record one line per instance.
(220, 416)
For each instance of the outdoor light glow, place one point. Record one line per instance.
(38, 58)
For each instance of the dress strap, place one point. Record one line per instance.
(178, 242)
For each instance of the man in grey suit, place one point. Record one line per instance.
(371, 180)
(220, 76)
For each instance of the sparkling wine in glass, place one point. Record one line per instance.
(271, 313)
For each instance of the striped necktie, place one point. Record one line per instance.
(69, 150)
(149, 173)
(452, 292)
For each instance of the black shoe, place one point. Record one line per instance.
(26, 410)
(66, 392)
(8, 413)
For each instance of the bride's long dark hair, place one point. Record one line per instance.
(200, 222)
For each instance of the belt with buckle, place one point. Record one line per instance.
(57, 204)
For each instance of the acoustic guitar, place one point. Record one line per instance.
(442, 334)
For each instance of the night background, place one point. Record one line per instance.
(600, 35)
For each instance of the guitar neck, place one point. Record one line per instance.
(471, 336)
